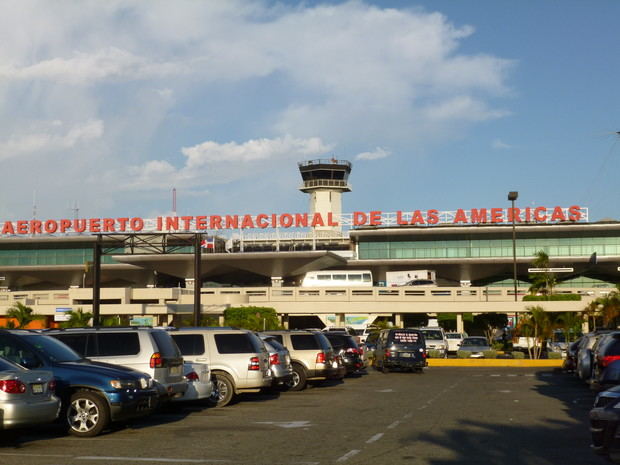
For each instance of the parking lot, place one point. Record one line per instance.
(445, 416)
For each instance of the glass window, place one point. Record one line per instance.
(304, 342)
(165, 343)
(78, 342)
(111, 344)
(190, 344)
(234, 344)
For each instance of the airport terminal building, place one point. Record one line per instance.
(148, 265)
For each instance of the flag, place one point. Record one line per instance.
(208, 243)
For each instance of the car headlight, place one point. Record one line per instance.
(123, 383)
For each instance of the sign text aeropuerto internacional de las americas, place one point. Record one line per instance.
(430, 217)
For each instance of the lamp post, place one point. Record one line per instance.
(512, 196)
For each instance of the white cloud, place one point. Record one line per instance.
(214, 163)
(50, 138)
(161, 78)
(500, 145)
(377, 154)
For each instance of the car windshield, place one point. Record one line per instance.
(432, 334)
(52, 349)
(454, 336)
(475, 341)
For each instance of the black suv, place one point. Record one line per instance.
(400, 348)
(92, 394)
(344, 345)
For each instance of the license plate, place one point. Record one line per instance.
(37, 388)
(406, 354)
(175, 371)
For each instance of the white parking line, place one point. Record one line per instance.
(151, 459)
(394, 425)
(376, 437)
(348, 455)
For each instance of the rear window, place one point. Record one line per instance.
(273, 342)
(6, 365)
(475, 341)
(304, 342)
(166, 345)
(190, 344)
(454, 336)
(614, 348)
(235, 344)
(406, 337)
(432, 334)
(277, 337)
(339, 342)
(117, 343)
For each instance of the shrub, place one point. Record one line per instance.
(551, 297)
(490, 354)
(432, 353)
(554, 355)
(462, 354)
(518, 354)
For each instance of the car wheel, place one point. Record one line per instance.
(223, 391)
(87, 414)
(298, 381)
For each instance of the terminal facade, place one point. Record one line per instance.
(260, 259)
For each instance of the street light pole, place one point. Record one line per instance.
(512, 196)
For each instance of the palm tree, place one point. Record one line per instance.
(570, 322)
(23, 314)
(77, 319)
(545, 281)
(539, 325)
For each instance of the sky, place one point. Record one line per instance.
(439, 104)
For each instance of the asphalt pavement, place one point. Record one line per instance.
(445, 416)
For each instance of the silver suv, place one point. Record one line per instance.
(148, 350)
(237, 358)
(435, 338)
(312, 356)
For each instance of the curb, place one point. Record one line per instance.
(494, 362)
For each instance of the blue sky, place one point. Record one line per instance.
(439, 104)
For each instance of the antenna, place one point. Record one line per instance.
(76, 210)
(174, 201)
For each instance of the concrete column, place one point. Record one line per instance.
(398, 320)
(585, 326)
(339, 319)
(283, 321)
(220, 320)
(460, 327)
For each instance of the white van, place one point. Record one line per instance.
(331, 278)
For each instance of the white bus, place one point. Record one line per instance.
(331, 278)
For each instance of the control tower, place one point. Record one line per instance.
(325, 180)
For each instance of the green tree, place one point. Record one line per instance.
(606, 308)
(542, 282)
(23, 314)
(570, 323)
(537, 325)
(77, 319)
(252, 318)
(489, 322)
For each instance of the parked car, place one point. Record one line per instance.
(435, 339)
(369, 347)
(26, 396)
(312, 356)
(279, 361)
(475, 346)
(585, 356)
(237, 358)
(454, 341)
(199, 383)
(570, 362)
(400, 348)
(149, 350)
(604, 351)
(346, 347)
(604, 422)
(92, 394)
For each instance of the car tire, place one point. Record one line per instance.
(87, 414)
(223, 392)
(298, 381)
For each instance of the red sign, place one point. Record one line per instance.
(294, 220)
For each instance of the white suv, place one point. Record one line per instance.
(454, 341)
(237, 358)
(435, 338)
(149, 350)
